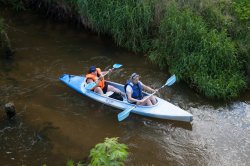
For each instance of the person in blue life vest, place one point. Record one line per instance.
(96, 75)
(133, 89)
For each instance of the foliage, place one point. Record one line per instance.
(110, 153)
(242, 9)
(204, 58)
(241, 30)
(71, 163)
(127, 21)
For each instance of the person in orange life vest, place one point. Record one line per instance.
(133, 89)
(96, 75)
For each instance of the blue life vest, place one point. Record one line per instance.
(137, 89)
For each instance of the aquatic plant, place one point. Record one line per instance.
(71, 163)
(109, 153)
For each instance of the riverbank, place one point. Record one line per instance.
(205, 44)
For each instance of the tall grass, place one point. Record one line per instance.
(128, 22)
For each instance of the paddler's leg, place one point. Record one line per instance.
(98, 90)
(113, 89)
(146, 102)
(153, 100)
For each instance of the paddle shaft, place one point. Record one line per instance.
(108, 72)
(154, 92)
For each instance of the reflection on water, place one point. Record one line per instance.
(54, 123)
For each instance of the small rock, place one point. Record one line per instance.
(10, 109)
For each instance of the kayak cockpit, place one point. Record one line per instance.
(121, 88)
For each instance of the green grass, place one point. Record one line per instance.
(128, 22)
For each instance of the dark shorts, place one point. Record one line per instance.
(132, 102)
(137, 99)
(105, 89)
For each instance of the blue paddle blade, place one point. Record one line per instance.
(171, 80)
(90, 85)
(116, 66)
(124, 114)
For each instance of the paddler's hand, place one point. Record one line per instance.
(141, 101)
(154, 90)
(100, 78)
(110, 70)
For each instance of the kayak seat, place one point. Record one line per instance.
(109, 93)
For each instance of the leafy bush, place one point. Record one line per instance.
(110, 153)
(242, 9)
(206, 59)
(241, 30)
(71, 163)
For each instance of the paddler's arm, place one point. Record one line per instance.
(147, 88)
(97, 82)
(106, 72)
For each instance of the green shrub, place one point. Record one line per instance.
(241, 30)
(242, 9)
(71, 163)
(204, 58)
(110, 153)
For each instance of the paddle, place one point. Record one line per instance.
(92, 84)
(124, 114)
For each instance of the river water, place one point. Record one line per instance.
(54, 123)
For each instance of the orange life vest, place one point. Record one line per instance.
(95, 78)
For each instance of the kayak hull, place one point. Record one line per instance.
(162, 110)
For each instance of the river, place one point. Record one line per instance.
(54, 123)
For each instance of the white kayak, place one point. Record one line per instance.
(162, 110)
